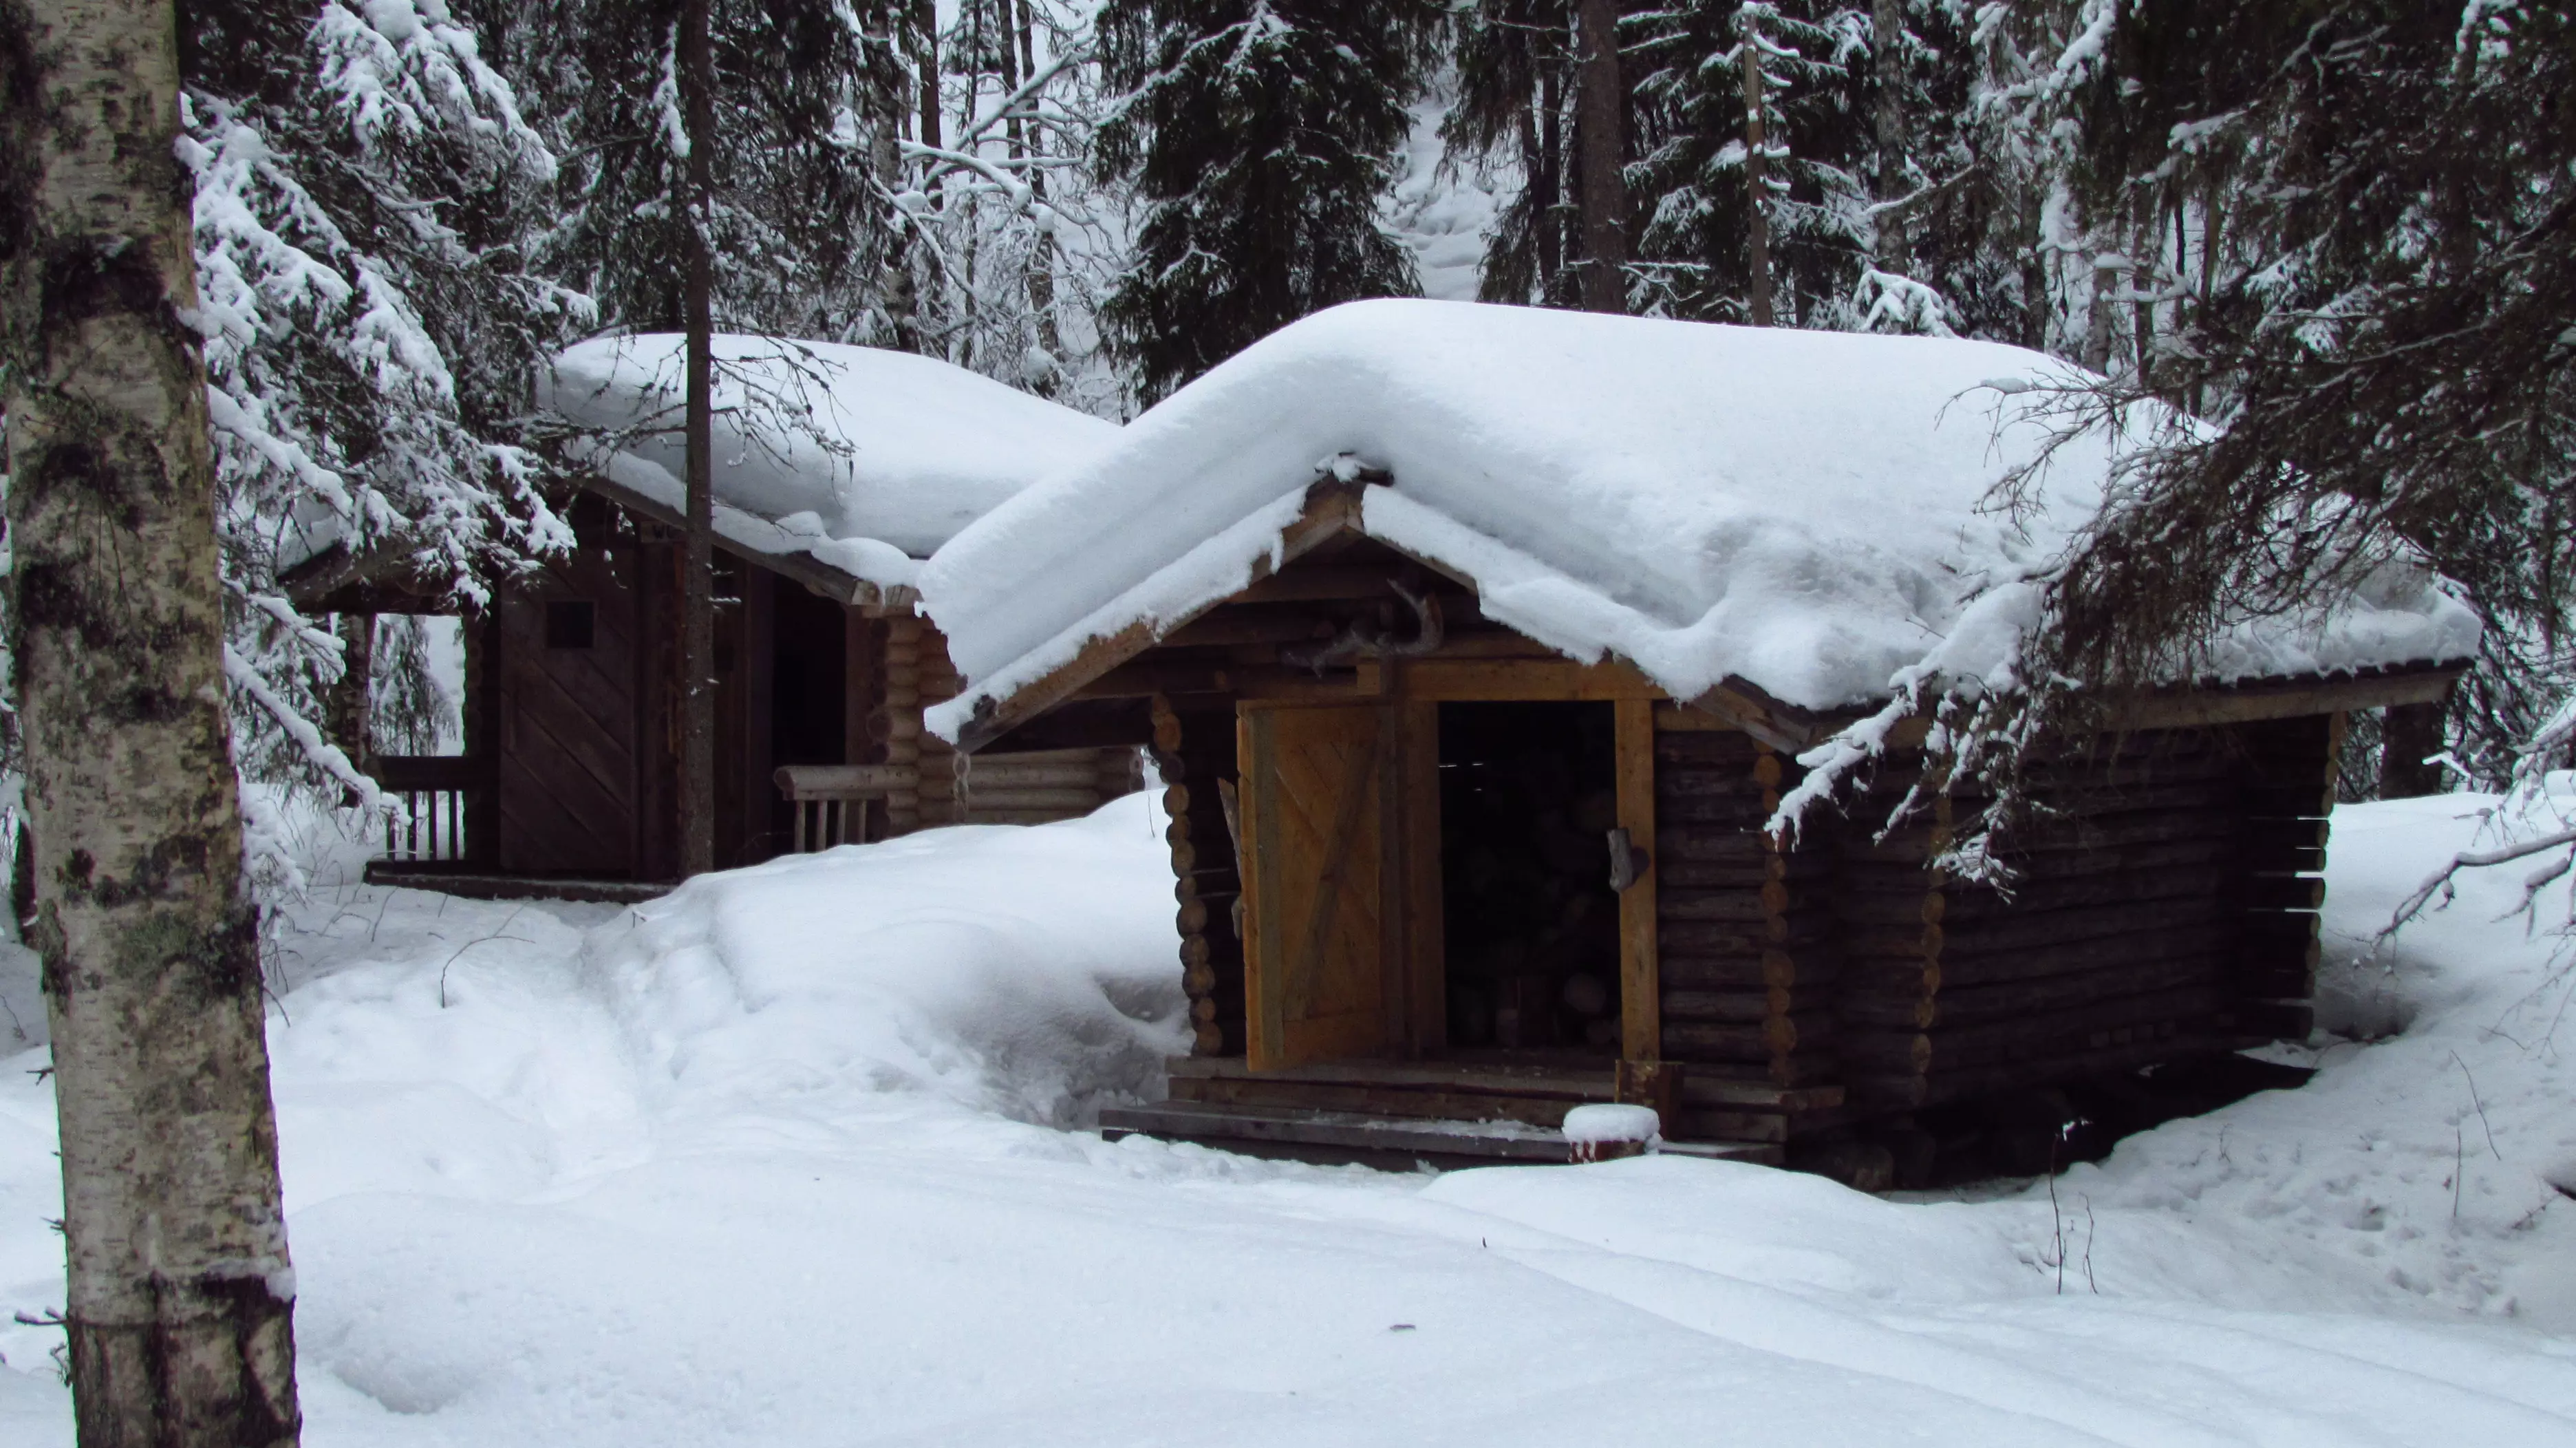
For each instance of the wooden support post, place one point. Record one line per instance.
(903, 720)
(1198, 970)
(943, 790)
(1640, 981)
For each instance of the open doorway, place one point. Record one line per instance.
(1527, 800)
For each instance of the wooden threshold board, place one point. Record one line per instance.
(1363, 1136)
(478, 885)
(1574, 1084)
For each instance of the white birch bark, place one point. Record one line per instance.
(180, 1295)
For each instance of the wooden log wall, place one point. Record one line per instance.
(2116, 944)
(1748, 963)
(2290, 767)
(1889, 905)
(1194, 751)
(903, 729)
(936, 682)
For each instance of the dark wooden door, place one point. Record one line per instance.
(1322, 951)
(568, 717)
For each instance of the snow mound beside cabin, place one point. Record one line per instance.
(1803, 510)
(1020, 972)
(930, 446)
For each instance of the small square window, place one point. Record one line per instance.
(569, 624)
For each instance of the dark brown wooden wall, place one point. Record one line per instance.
(585, 740)
(1748, 964)
(568, 757)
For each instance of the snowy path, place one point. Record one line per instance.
(782, 1165)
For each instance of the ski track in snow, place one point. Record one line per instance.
(795, 1157)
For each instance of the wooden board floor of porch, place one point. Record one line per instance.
(1462, 1110)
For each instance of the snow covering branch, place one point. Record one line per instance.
(324, 754)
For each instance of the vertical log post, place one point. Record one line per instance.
(943, 799)
(1198, 968)
(903, 720)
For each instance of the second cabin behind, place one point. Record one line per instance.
(837, 470)
(1477, 646)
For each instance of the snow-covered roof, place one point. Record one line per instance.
(863, 459)
(1806, 512)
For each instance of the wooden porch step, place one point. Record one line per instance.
(1377, 1099)
(1379, 1140)
(1571, 1085)
(485, 885)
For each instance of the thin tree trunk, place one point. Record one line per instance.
(925, 27)
(1041, 268)
(697, 565)
(1600, 126)
(884, 100)
(1757, 216)
(1549, 177)
(2409, 735)
(1887, 24)
(350, 701)
(180, 1296)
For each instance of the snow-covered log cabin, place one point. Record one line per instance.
(1475, 646)
(837, 470)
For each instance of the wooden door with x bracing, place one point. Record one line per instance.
(1321, 941)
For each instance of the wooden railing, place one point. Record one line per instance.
(832, 802)
(434, 797)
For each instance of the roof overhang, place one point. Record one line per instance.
(1332, 507)
(817, 576)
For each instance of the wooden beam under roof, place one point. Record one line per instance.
(819, 577)
(1331, 508)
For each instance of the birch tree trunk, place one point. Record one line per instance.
(698, 554)
(1600, 127)
(180, 1296)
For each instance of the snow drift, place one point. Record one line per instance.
(764, 1164)
(1018, 972)
(929, 447)
(1803, 510)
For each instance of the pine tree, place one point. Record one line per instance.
(1259, 136)
(365, 192)
(1693, 254)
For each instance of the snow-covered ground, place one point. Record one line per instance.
(794, 1157)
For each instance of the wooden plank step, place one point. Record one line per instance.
(1544, 1112)
(1569, 1084)
(1348, 1131)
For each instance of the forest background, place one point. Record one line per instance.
(2328, 244)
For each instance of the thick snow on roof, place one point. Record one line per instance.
(931, 446)
(1802, 510)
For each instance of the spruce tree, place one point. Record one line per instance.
(365, 190)
(1259, 136)
(2353, 248)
